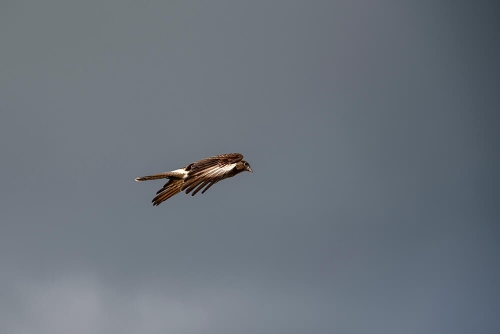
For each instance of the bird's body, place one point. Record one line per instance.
(198, 175)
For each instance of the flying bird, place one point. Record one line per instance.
(198, 175)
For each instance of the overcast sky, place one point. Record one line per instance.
(370, 127)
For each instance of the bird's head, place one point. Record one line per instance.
(247, 167)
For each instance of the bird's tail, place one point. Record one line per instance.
(154, 177)
(171, 188)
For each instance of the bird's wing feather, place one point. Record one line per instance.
(217, 160)
(210, 175)
(171, 188)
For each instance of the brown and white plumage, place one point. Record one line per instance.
(198, 175)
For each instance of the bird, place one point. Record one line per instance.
(198, 175)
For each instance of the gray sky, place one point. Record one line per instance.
(370, 126)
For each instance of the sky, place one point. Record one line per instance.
(371, 128)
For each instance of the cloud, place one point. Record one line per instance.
(82, 304)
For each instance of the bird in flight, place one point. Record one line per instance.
(198, 175)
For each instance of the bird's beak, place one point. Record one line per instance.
(250, 170)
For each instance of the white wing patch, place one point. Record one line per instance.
(226, 168)
(213, 171)
(216, 171)
(181, 172)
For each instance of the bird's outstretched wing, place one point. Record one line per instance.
(171, 188)
(207, 172)
(217, 160)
